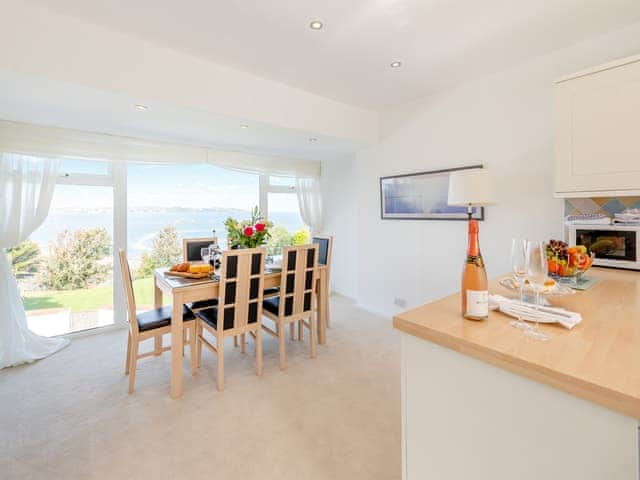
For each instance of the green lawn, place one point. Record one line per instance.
(89, 299)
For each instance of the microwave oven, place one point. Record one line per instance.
(614, 245)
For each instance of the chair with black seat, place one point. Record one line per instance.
(191, 252)
(296, 300)
(150, 324)
(325, 251)
(239, 309)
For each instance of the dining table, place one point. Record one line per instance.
(182, 291)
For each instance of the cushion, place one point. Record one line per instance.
(271, 305)
(161, 317)
(210, 316)
(200, 304)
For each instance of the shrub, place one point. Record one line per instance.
(25, 258)
(165, 251)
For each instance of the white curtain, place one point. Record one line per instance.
(26, 189)
(310, 202)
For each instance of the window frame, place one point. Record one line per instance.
(266, 187)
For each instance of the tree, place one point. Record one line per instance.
(77, 259)
(25, 258)
(165, 251)
(280, 237)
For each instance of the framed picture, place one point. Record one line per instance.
(421, 196)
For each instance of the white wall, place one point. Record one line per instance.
(504, 121)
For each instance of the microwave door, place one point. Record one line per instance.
(609, 244)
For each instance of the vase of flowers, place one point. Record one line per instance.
(248, 233)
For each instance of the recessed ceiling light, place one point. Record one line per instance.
(316, 25)
(396, 64)
(313, 139)
(244, 126)
(141, 107)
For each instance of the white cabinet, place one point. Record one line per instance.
(598, 131)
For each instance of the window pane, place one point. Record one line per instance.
(65, 269)
(288, 227)
(170, 202)
(84, 167)
(282, 181)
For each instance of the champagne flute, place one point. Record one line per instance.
(519, 269)
(536, 274)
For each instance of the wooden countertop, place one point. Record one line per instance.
(598, 360)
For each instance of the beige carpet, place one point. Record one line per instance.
(335, 417)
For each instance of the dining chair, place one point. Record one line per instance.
(239, 308)
(325, 251)
(191, 252)
(150, 324)
(295, 301)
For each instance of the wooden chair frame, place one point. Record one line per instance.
(187, 241)
(327, 273)
(304, 318)
(135, 336)
(240, 304)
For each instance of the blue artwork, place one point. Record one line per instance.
(421, 196)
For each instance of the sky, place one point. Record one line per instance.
(164, 186)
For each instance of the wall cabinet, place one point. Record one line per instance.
(598, 131)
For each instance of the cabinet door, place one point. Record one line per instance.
(598, 132)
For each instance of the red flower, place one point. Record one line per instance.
(248, 231)
(260, 227)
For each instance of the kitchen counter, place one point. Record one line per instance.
(482, 400)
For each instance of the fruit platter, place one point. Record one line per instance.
(567, 263)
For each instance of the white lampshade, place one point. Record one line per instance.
(471, 187)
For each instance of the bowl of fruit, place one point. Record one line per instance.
(567, 263)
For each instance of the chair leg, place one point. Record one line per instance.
(282, 345)
(300, 330)
(312, 336)
(132, 364)
(235, 341)
(127, 363)
(192, 347)
(199, 333)
(157, 345)
(220, 348)
(243, 343)
(184, 338)
(292, 331)
(259, 351)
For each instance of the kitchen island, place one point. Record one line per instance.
(480, 400)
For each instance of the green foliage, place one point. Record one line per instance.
(165, 251)
(248, 233)
(25, 258)
(280, 237)
(77, 259)
(301, 237)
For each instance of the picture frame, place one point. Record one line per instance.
(422, 196)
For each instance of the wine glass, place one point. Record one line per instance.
(536, 274)
(519, 269)
(205, 253)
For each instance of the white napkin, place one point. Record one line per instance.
(528, 311)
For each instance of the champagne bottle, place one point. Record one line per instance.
(475, 292)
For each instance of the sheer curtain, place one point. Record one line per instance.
(310, 202)
(26, 189)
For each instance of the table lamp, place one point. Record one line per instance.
(470, 188)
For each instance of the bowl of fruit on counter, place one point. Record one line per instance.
(567, 263)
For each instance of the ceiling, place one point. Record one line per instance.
(440, 43)
(34, 99)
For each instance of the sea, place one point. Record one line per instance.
(144, 223)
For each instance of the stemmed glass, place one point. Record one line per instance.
(205, 253)
(536, 274)
(519, 269)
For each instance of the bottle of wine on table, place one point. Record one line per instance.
(475, 292)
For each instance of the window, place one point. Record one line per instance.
(282, 209)
(65, 269)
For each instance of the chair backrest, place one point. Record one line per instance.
(191, 247)
(299, 275)
(325, 248)
(241, 287)
(127, 283)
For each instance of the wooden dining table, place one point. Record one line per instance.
(184, 290)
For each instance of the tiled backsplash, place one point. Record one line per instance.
(605, 205)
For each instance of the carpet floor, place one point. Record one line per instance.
(334, 417)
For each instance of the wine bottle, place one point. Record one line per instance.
(475, 293)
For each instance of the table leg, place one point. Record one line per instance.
(322, 308)
(176, 346)
(157, 303)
